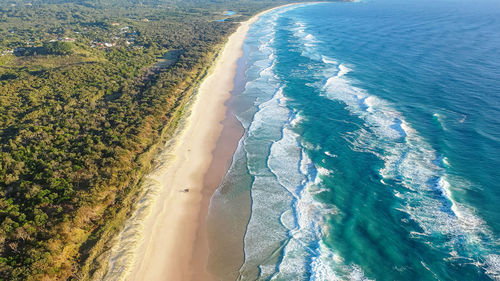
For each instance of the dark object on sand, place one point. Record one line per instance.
(186, 190)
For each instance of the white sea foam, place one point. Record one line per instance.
(439, 119)
(330, 266)
(324, 172)
(297, 119)
(396, 193)
(411, 161)
(330, 154)
(308, 41)
(408, 160)
(492, 266)
(285, 220)
(343, 70)
(446, 162)
(328, 60)
(298, 175)
(264, 128)
(449, 116)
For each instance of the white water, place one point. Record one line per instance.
(408, 158)
(285, 230)
(412, 162)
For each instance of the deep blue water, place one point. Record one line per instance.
(372, 142)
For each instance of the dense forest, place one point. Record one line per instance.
(88, 92)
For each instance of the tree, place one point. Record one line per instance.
(58, 48)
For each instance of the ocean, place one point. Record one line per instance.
(372, 142)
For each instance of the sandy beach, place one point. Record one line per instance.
(172, 234)
(174, 243)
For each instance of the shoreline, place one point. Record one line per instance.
(174, 237)
(202, 267)
(172, 226)
(173, 245)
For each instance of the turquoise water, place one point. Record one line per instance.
(372, 142)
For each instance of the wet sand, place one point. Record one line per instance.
(222, 156)
(174, 243)
(173, 246)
